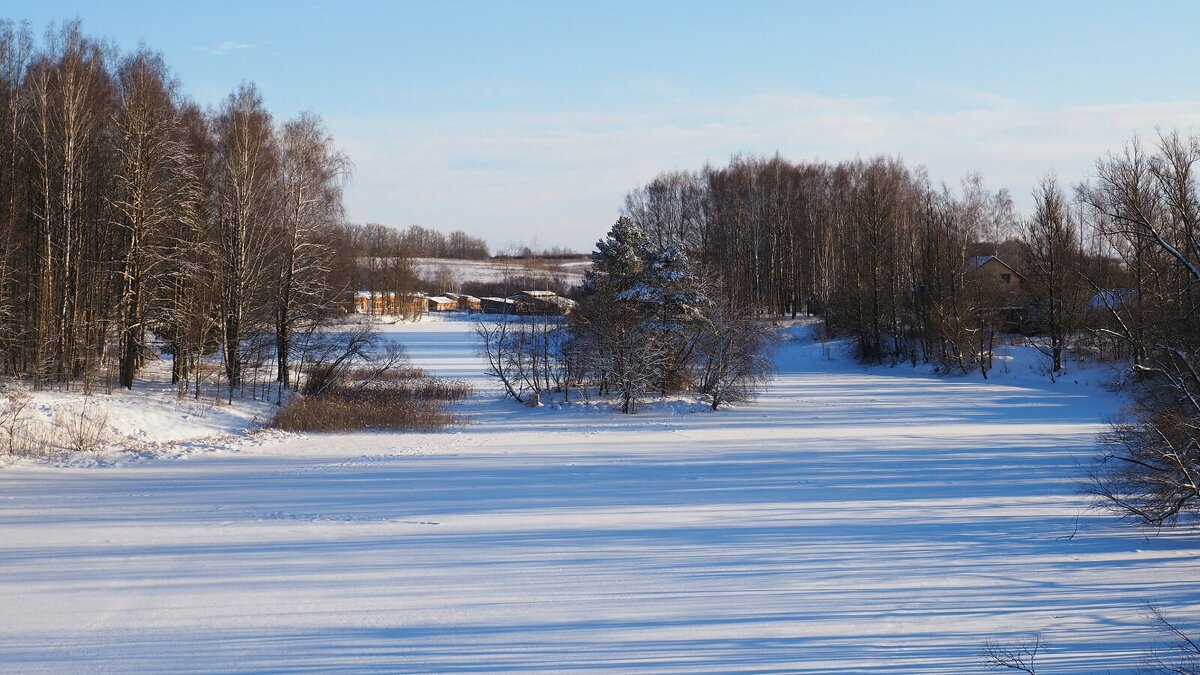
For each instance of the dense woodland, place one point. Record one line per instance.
(130, 215)
(134, 223)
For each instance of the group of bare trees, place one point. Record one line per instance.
(870, 245)
(130, 218)
(1146, 207)
(648, 322)
(423, 242)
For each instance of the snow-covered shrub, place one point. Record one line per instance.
(82, 427)
(21, 433)
(650, 322)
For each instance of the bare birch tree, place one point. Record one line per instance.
(1053, 263)
(246, 218)
(312, 174)
(155, 189)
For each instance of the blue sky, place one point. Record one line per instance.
(526, 122)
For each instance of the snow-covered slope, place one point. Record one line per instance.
(852, 521)
(150, 421)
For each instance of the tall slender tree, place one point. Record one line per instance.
(246, 167)
(154, 191)
(312, 174)
(1053, 264)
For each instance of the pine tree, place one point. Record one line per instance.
(668, 292)
(623, 355)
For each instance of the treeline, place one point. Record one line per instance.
(1107, 268)
(378, 259)
(128, 214)
(870, 245)
(884, 255)
(421, 242)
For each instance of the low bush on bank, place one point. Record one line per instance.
(370, 386)
(385, 404)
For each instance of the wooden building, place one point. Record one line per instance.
(389, 303)
(542, 303)
(466, 303)
(989, 267)
(441, 303)
(497, 305)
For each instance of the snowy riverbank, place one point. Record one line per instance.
(851, 521)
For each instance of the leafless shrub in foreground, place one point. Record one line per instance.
(82, 427)
(1019, 656)
(354, 388)
(1181, 654)
(419, 407)
(21, 434)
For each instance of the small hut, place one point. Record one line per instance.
(497, 305)
(441, 303)
(542, 303)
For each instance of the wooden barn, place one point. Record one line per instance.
(542, 303)
(389, 303)
(441, 303)
(466, 303)
(469, 303)
(497, 305)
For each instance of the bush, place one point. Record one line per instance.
(398, 373)
(21, 434)
(82, 428)
(361, 385)
(15, 422)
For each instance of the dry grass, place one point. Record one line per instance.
(16, 423)
(395, 404)
(81, 427)
(396, 374)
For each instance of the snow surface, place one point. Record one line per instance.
(852, 520)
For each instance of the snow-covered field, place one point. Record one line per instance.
(491, 271)
(851, 521)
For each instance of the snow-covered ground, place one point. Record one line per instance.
(850, 521)
(150, 421)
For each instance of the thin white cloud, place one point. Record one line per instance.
(226, 47)
(561, 177)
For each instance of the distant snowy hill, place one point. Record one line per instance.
(494, 270)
